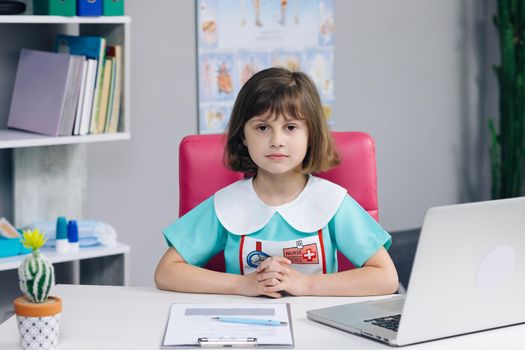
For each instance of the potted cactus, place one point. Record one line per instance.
(38, 314)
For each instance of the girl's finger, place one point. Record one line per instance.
(264, 264)
(271, 282)
(273, 261)
(277, 288)
(276, 267)
(275, 295)
(268, 275)
(281, 259)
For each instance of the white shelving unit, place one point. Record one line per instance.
(17, 139)
(13, 262)
(60, 192)
(62, 19)
(50, 173)
(116, 30)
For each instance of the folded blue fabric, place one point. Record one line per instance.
(90, 233)
(82, 242)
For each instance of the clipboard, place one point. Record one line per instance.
(197, 326)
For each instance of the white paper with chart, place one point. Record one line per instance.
(187, 323)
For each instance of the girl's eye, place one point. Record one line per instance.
(291, 127)
(262, 127)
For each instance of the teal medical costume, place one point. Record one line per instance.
(308, 230)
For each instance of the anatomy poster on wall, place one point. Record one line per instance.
(237, 38)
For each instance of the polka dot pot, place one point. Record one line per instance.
(38, 323)
(38, 333)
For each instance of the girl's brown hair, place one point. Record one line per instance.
(281, 93)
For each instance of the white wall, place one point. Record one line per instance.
(134, 185)
(407, 72)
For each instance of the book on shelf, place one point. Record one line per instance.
(74, 80)
(114, 108)
(81, 96)
(76, 90)
(45, 92)
(104, 95)
(93, 47)
(111, 93)
(87, 103)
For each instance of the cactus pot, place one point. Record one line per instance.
(38, 323)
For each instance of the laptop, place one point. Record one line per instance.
(467, 276)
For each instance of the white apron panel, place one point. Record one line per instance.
(305, 253)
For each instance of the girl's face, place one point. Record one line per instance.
(276, 145)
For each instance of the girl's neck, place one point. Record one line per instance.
(276, 190)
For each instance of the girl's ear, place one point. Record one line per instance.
(244, 142)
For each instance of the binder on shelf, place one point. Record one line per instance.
(113, 7)
(104, 95)
(87, 103)
(91, 8)
(43, 92)
(72, 95)
(81, 96)
(199, 325)
(113, 117)
(55, 7)
(111, 94)
(92, 47)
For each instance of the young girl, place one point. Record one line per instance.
(279, 229)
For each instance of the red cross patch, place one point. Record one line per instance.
(306, 255)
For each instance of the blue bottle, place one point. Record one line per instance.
(62, 244)
(72, 236)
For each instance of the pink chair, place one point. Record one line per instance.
(202, 173)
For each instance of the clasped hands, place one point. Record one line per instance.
(275, 276)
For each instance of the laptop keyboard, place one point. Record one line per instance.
(389, 322)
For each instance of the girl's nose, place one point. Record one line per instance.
(277, 140)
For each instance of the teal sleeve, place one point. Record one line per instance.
(197, 235)
(356, 234)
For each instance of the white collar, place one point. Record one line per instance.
(242, 212)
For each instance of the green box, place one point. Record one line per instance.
(113, 7)
(55, 7)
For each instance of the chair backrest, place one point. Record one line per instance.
(202, 173)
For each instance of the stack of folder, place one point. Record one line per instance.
(90, 8)
(74, 91)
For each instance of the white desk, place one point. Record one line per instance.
(107, 317)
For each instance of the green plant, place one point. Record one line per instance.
(507, 147)
(36, 274)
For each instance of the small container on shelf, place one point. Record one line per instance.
(11, 7)
(11, 247)
(89, 8)
(10, 243)
(113, 8)
(72, 236)
(55, 7)
(62, 243)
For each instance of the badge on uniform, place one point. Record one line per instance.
(302, 254)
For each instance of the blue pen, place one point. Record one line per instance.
(244, 320)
